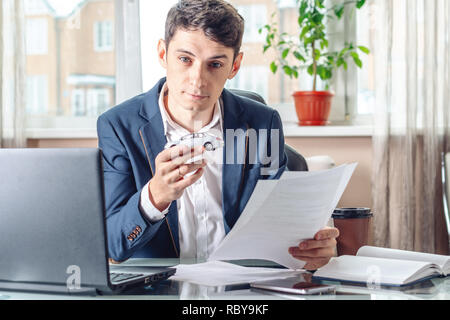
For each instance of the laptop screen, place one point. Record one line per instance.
(52, 221)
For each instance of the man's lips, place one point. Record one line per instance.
(197, 96)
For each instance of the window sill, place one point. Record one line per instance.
(61, 133)
(292, 130)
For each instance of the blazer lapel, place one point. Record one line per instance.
(154, 140)
(236, 146)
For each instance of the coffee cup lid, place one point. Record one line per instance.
(352, 213)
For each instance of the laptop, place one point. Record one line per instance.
(53, 225)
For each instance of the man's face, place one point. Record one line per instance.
(197, 69)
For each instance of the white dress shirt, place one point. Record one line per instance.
(200, 220)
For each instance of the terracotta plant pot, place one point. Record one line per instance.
(313, 107)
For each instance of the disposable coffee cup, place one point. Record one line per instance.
(354, 226)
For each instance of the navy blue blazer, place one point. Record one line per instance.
(131, 135)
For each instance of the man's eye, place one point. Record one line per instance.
(216, 64)
(185, 59)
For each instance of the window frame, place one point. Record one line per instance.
(78, 93)
(100, 36)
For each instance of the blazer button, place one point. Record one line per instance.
(130, 238)
(133, 236)
(138, 229)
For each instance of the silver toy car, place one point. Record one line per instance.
(209, 141)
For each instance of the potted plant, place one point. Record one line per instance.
(308, 49)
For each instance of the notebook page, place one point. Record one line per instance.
(440, 260)
(375, 270)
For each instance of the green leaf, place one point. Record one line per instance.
(305, 30)
(288, 70)
(301, 18)
(364, 49)
(285, 53)
(265, 48)
(299, 56)
(356, 58)
(317, 54)
(317, 18)
(303, 7)
(360, 3)
(273, 67)
(358, 62)
(319, 3)
(311, 69)
(324, 44)
(343, 52)
(339, 10)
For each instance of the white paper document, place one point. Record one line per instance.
(219, 273)
(282, 213)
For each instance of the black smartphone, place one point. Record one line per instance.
(293, 285)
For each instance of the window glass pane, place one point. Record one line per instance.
(70, 63)
(366, 28)
(36, 36)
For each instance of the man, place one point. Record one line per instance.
(159, 202)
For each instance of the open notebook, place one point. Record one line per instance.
(385, 267)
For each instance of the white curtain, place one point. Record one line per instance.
(12, 74)
(411, 47)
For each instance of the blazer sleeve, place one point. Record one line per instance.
(127, 229)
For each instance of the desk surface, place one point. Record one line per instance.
(437, 288)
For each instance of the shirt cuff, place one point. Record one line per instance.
(147, 207)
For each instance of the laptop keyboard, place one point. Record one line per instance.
(121, 276)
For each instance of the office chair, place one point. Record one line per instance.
(296, 162)
(446, 190)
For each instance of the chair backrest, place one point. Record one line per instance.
(446, 189)
(296, 162)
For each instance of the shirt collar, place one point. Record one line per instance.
(170, 124)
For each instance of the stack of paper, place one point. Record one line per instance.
(218, 273)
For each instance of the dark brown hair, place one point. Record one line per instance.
(218, 19)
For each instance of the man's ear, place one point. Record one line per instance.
(236, 65)
(162, 53)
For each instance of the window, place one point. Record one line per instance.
(70, 62)
(252, 78)
(37, 94)
(366, 87)
(36, 36)
(78, 103)
(97, 101)
(35, 7)
(103, 36)
(255, 16)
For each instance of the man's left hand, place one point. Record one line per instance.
(318, 251)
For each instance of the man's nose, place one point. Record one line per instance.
(197, 76)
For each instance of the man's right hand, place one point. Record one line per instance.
(169, 181)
